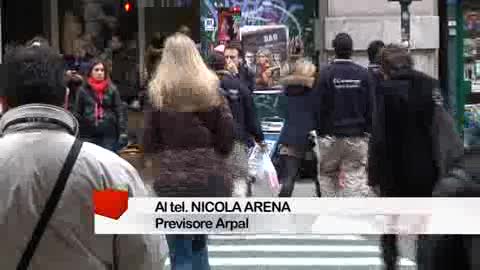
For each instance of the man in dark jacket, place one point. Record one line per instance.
(374, 57)
(246, 122)
(405, 160)
(343, 123)
(233, 55)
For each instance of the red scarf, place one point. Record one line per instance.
(99, 87)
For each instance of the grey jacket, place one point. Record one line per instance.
(30, 160)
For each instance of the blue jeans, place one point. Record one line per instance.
(187, 251)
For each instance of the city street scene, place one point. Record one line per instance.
(234, 99)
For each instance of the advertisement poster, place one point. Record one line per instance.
(296, 15)
(266, 51)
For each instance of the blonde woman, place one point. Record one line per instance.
(265, 68)
(188, 138)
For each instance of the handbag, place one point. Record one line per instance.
(50, 206)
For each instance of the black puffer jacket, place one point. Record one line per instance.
(243, 109)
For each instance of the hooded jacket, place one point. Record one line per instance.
(27, 179)
(300, 106)
(242, 106)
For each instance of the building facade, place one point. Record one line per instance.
(368, 20)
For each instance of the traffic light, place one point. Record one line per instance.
(127, 6)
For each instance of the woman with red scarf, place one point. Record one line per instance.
(99, 110)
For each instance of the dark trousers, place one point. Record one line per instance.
(389, 246)
(288, 172)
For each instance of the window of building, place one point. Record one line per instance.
(472, 43)
(96, 29)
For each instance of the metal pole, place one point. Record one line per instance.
(405, 21)
(141, 38)
(460, 80)
(54, 26)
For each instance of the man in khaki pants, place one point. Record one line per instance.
(344, 118)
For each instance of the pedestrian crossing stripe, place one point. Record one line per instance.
(286, 236)
(366, 255)
(235, 261)
(294, 248)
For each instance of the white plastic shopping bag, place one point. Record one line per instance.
(262, 170)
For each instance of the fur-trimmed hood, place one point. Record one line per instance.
(298, 80)
(223, 73)
(301, 78)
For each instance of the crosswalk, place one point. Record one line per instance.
(296, 252)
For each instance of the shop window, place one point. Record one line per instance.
(102, 29)
(96, 28)
(472, 71)
(472, 43)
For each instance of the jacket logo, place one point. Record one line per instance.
(346, 84)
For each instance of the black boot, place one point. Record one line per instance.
(291, 166)
(318, 192)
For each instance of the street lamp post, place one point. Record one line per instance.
(405, 20)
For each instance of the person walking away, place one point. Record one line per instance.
(100, 110)
(125, 71)
(74, 82)
(189, 135)
(36, 135)
(343, 121)
(246, 123)
(413, 142)
(299, 122)
(373, 52)
(376, 77)
(234, 55)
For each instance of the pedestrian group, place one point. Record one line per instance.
(378, 131)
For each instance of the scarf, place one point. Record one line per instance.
(99, 88)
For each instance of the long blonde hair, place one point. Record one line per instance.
(182, 81)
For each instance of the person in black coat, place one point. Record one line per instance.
(413, 142)
(299, 122)
(247, 125)
(234, 55)
(373, 51)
